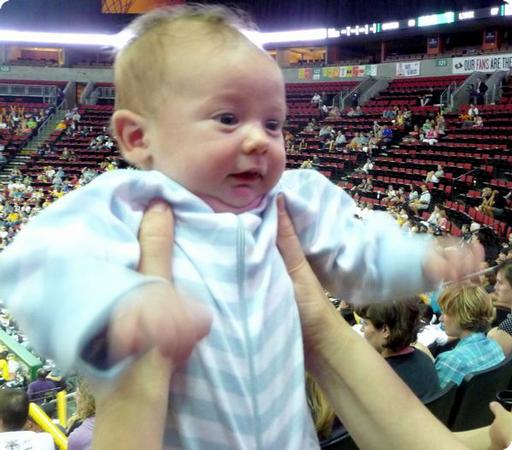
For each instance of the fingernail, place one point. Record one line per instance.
(158, 205)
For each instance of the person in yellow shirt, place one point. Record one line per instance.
(61, 125)
(4, 365)
(13, 217)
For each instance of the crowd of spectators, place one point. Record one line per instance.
(21, 120)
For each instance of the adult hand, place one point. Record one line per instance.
(131, 414)
(155, 315)
(357, 381)
(501, 428)
(311, 299)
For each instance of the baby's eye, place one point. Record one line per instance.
(227, 119)
(273, 125)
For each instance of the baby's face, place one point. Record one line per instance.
(221, 135)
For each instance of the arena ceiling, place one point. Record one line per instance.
(85, 15)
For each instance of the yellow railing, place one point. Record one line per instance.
(62, 410)
(41, 418)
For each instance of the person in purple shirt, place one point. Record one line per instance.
(42, 388)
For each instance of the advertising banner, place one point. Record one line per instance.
(408, 69)
(482, 63)
(336, 72)
(305, 74)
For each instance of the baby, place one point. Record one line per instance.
(200, 109)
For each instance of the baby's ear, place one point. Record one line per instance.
(131, 132)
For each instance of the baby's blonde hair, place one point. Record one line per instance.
(142, 67)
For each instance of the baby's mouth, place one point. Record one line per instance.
(247, 176)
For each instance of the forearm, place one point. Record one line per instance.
(132, 415)
(374, 404)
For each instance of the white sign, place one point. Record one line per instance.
(483, 63)
(408, 69)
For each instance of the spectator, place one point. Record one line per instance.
(368, 166)
(434, 177)
(354, 99)
(423, 202)
(311, 126)
(340, 140)
(358, 111)
(432, 332)
(414, 136)
(426, 99)
(437, 222)
(62, 125)
(473, 111)
(4, 365)
(440, 124)
(386, 135)
(467, 314)
(504, 255)
(493, 204)
(390, 197)
(335, 112)
(41, 389)
(82, 424)
(392, 329)
(355, 142)
(478, 93)
(326, 131)
(13, 417)
(316, 99)
(366, 185)
(388, 113)
(502, 333)
(306, 164)
(431, 137)
(478, 122)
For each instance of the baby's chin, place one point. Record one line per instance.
(220, 206)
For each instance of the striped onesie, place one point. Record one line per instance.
(243, 386)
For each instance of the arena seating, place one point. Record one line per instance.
(96, 120)
(298, 95)
(468, 155)
(406, 92)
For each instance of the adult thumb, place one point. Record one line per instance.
(496, 408)
(287, 240)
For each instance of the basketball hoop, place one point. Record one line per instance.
(116, 6)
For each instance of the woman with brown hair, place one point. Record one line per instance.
(392, 329)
